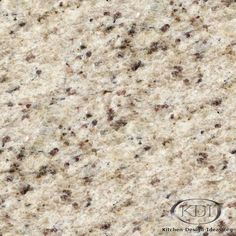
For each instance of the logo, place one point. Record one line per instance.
(197, 211)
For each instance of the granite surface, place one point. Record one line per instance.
(114, 110)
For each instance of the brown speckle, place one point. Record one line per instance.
(198, 56)
(106, 13)
(66, 195)
(203, 158)
(109, 28)
(124, 44)
(9, 178)
(165, 27)
(3, 78)
(77, 158)
(155, 181)
(14, 167)
(121, 92)
(66, 164)
(20, 155)
(199, 81)
(89, 199)
(30, 57)
(75, 205)
(110, 114)
(211, 168)
(28, 105)
(136, 65)
(222, 224)
(216, 102)
(5, 140)
(132, 30)
(136, 228)
(177, 40)
(227, 3)
(177, 71)
(225, 163)
(186, 81)
(105, 226)
(160, 107)
(118, 124)
(24, 189)
(44, 170)
(231, 234)
(153, 47)
(15, 88)
(49, 231)
(54, 151)
(116, 16)
(203, 154)
(87, 180)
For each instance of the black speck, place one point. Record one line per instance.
(94, 122)
(136, 65)
(22, 24)
(88, 115)
(89, 54)
(146, 148)
(188, 34)
(38, 72)
(105, 226)
(233, 151)
(82, 47)
(109, 28)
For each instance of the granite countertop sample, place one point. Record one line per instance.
(114, 110)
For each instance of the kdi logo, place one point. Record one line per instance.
(197, 211)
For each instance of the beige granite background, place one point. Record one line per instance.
(114, 110)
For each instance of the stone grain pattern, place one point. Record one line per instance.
(114, 110)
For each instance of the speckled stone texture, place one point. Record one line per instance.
(114, 110)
